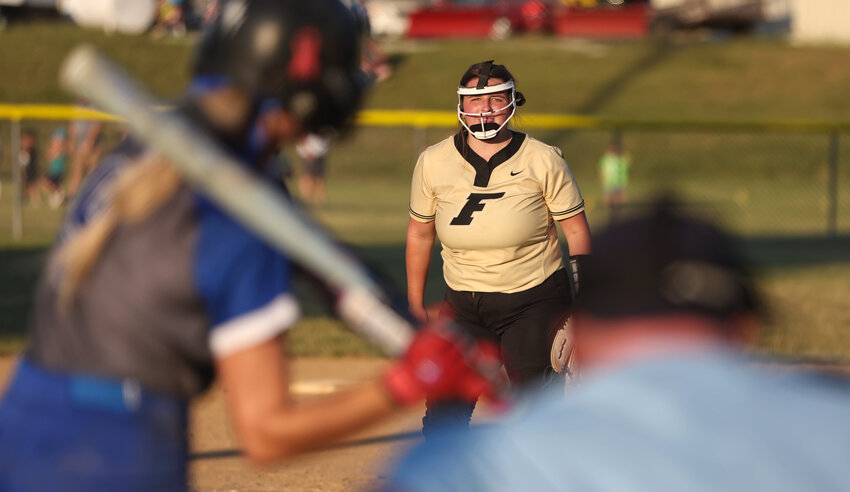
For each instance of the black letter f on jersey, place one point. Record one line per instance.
(473, 204)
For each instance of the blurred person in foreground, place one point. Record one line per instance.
(152, 291)
(669, 396)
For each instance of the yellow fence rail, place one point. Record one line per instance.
(18, 112)
(447, 119)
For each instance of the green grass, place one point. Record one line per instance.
(770, 189)
(19, 269)
(740, 79)
(33, 53)
(809, 308)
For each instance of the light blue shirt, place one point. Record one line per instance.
(715, 422)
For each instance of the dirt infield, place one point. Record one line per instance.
(357, 463)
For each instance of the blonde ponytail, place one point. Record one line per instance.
(141, 189)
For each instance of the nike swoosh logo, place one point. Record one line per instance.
(517, 172)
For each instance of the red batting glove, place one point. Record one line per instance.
(441, 364)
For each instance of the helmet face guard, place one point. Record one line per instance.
(486, 131)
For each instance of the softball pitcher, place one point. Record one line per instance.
(493, 195)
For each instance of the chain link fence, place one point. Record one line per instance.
(763, 178)
(753, 182)
(31, 189)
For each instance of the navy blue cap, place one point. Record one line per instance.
(662, 261)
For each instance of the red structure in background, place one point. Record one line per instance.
(497, 19)
(627, 21)
(500, 18)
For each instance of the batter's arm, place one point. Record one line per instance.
(417, 255)
(270, 425)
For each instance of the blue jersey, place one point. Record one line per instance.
(165, 296)
(691, 423)
(100, 400)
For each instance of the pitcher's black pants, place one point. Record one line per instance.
(522, 324)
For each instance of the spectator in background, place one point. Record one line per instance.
(85, 146)
(51, 183)
(614, 173)
(57, 164)
(29, 166)
(312, 150)
(171, 19)
(668, 398)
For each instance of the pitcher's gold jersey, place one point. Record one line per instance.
(495, 219)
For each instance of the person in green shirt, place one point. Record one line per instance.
(614, 173)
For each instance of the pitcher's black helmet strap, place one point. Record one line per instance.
(484, 75)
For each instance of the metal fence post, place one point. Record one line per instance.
(832, 209)
(617, 137)
(420, 140)
(17, 220)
